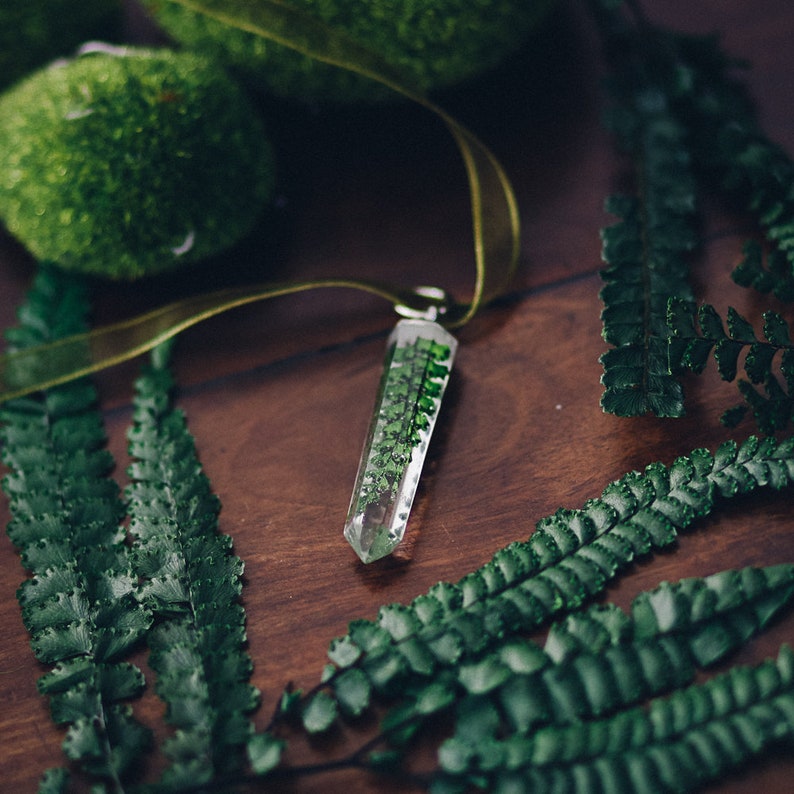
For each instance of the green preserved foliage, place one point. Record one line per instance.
(773, 409)
(192, 582)
(646, 253)
(80, 603)
(579, 708)
(730, 146)
(714, 144)
(570, 558)
(677, 744)
(611, 700)
(776, 275)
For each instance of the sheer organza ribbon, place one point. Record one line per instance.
(493, 208)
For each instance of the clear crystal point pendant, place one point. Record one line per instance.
(416, 369)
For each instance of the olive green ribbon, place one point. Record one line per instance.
(493, 209)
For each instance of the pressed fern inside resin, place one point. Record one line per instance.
(412, 385)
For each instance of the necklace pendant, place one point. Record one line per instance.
(416, 369)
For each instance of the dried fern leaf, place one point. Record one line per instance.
(646, 253)
(676, 744)
(700, 332)
(80, 604)
(192, 582)
(579, 708)
(412, 650)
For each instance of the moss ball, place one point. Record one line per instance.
(128, 162)
(33, 32)
(435, 43)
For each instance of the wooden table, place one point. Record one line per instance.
(278, 394)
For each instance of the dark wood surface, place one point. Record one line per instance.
(278, 395)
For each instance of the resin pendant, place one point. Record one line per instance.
(416, 369)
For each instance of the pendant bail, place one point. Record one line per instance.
(437, 304)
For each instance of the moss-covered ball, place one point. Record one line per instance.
(435, 43)
(123, 163)
(33, 32)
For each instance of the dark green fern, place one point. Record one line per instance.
(191, 581)
(677, 744)
(646, 254)
(569, 559)
(568, 715)
(701, 331)
(731, 148)
(717, 147)
(460, 650)
(416, 372)
(533, 718)
(80, 602)
(776, 275)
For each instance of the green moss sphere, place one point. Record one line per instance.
(33, 32)
(435, 43)
(123, 163)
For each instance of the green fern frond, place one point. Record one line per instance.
(775, 276)
(569, 559)
(677, 744)
(646, 252)
(191, 580)
(690, 80)
(727, 144)
(602, 661)
(574, 709)
(80, 604)
(700, 332)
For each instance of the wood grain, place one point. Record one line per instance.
(278, 395)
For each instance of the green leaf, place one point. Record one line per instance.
(398, 620)
(319, 713)
(352, 690)
(343, 652)
(483, 676)
(454, 756)
(738, 328)
(435, 697)
(264, 752)
(83, 741)
(290, 702)
(558, 568)
(522, 657)
(773, 410)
